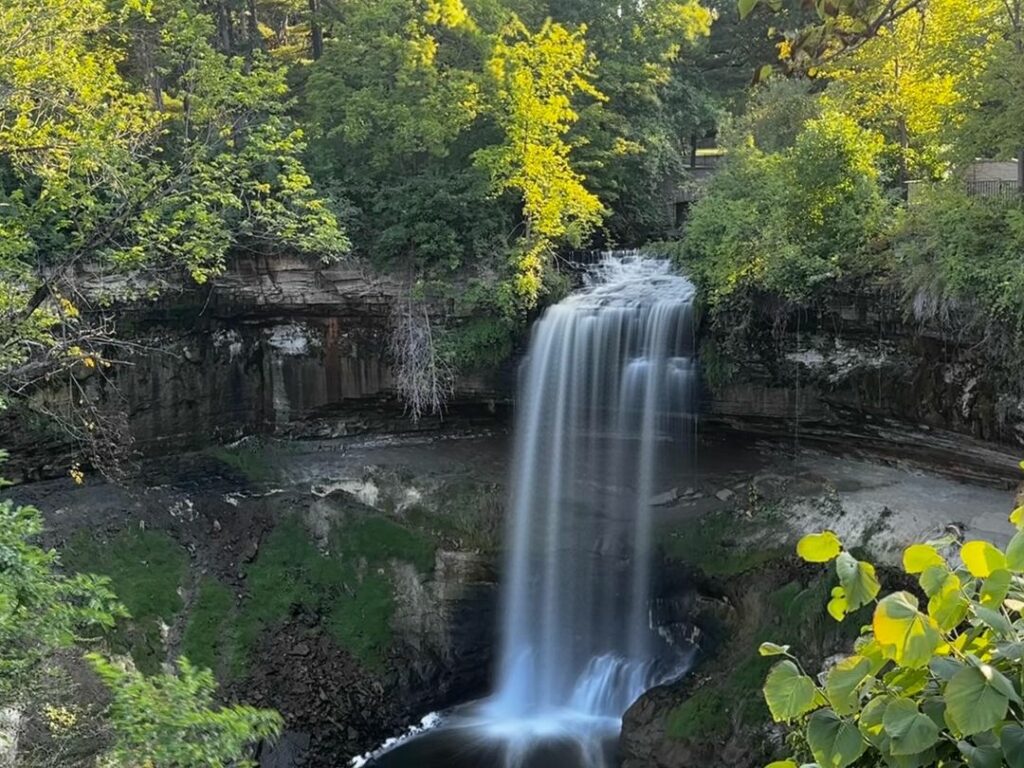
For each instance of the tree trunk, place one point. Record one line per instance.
(253, 27)
(225, 33)
(316, 31)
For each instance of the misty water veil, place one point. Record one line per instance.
(605, 411)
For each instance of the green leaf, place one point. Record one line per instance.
(871, 722)
(1012, 740)
(771, 649)
(933, 578)
(944, 668)
(789, 693)
(907, 636)
(843, 682)
(995, 588)
(819, 547)
(782, 764)
(981, 558)
(1015, 552)
(1010, 651)
(981, 757)
(994, 620)
(909, 731)
(858, 580)
(917, 558)
(835, 742)
(973, 703)
(746, 7)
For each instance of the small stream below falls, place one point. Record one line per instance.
(605, 408)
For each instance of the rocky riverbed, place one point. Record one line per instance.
(352, 583)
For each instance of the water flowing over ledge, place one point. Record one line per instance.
(605, 410)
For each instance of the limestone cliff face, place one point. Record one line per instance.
(856, 372)
(275, 346)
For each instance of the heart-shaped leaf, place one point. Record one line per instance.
(1012, 740)
(788, 692)
(973, 703)
(842, 683)
(981, 558)
(908, 729)
(907, 635)
(917, 558)
(858, 580)
(819, 547)
(835, 742)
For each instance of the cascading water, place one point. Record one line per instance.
(605, 398)
(605, 412)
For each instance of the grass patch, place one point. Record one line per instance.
(721, 544)
(248, 459)
(469, 515)
(349, 587)
(146, 568)
(209, 624)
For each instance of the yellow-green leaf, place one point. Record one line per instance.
(948, 606)
(933, 578)
(835, 742)
(838, 606)
(782, 764)
(981, 558)
(843, 683)
(1017, 518)
(860, 585)
(995, 588)
(919, 557)
(788, 692)
(772, 649)
(1015, 553)
(819, 547)
(906, 635)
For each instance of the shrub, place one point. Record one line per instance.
(786, 221)
(932, 682)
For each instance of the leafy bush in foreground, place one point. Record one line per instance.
(932, 682)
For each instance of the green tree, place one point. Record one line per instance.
(41, 610)
(167, 720)
(170, 720)
(785, 222)
(929, 683)
(908, 81)
(153, 181)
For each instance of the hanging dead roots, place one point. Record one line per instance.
(424, 379)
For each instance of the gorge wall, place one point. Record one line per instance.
(855, 372)
(286, 347)
(275, 346)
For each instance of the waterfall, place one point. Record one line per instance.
(605, 415)
(605, 407)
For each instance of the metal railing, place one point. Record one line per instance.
(992, 188)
